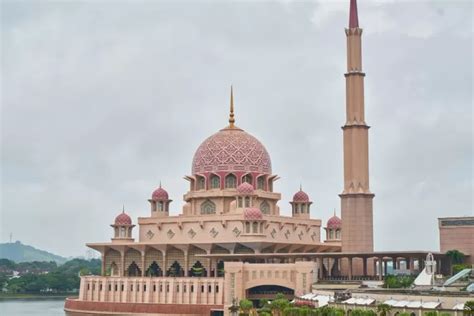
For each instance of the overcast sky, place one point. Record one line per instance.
(102, 100)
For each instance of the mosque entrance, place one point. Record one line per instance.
(268, 292)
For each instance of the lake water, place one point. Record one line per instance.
(32, 307)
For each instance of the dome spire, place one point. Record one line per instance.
(231, 114)
(353, 16)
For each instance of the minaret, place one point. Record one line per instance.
(356, 198)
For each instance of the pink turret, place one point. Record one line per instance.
(353, 17)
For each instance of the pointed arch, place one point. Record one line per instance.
(208, 207)
(215, 181)
(154, 270)
(175, 270)
(200, 182)
(261, 183)
(197, 270)
(247, 178)
(134, 270)
(265, 207)
(230, 181)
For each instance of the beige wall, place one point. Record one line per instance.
(457, 233)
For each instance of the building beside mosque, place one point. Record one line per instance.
(230, 241)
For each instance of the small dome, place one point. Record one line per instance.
(160, 194)
(245, 189)
(301, 196)
(123, 219)
(334, 222)
(253, 213)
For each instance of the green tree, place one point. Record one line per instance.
(279, 304)
(383, 309)
(431, 313)
(245, 306)
(455, 257)
(468, 308)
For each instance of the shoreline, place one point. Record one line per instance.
(17, 296)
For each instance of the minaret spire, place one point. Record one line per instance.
(353, 16)
(231, 114)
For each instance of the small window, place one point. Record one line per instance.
(208, 207)
(110, 287)
(167, 288)
(160, 206)
(131, 287)
(215, 182)
(88, 286)
(230, 181)
(144, 287)
(154, 287)
(201, 183)
(177, 288)
(217, 288)
(265, 207)
(239, 201)
(161, 288)
(184, 288)
(116, 288)
(192, 288)
(247, 178)
(261, 183)
(202, 288)
(100, 287)
(331, 234)
(255, 227)
(209, 289)
(247, 201)
(122, 287)
(247, 227)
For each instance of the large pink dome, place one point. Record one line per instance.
(231, 149)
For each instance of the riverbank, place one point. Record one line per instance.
(36, 296)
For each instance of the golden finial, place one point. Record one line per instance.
(231, 115)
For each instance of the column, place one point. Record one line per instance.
(350, 268)
(143, 263)
(380, 259)
(122, 263)
(320, 268)
(394, 263)
(364, 266)
(102, 265)
(385, 266)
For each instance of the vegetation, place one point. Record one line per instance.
(459, 267)
(383, 309)
(18, 252)
(455, 256)
(398, 281)
(50, 278)
(469, 308)
(245, 306)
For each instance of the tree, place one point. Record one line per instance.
(468, 308)
(245, 306)
(455, 257)
(279, 304)
(383, 309)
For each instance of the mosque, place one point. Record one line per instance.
(230, 242)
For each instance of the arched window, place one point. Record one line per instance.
(114, 269)
(133, 270)
(255, 227)
(215, 182)
(265, 207)
(338, 234)
(208, 207)
(175, 270)
(239, 201)
(123, 232)
(154, 270)
(197, 270)
(230, 181)
(247, 227)
(201, 183)
(247, 201)
(160, 206)
(261, 228)
(295, 206)
(261, 183)
(331, 234)
(247, 178)
(303, 207)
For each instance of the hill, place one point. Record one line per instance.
(23, 253)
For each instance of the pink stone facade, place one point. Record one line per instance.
(457, 233)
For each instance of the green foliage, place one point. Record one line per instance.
(245, 306)
(444, 314)
(431, 313)
(469, 308)
(363, 312)
(455, 256)
(383, 309)
(398, 281)
(279, 304)
(62, 278)
(404, 314)
(459, 267)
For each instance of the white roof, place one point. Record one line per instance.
(459, 307)
(359, 301)
(430, 304)
(401, 303)
(390, 302)
(414, 304)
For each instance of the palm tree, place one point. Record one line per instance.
(469, 308)
(383, 309)
(246, 306)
